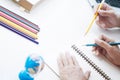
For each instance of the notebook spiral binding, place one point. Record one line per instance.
(91, 63)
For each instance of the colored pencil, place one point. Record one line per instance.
(21, 19)
(18, 32)
(111, 43)
(18, 22)
(94, 17)
(2, 19)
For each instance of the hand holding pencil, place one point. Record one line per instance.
(112, 53)
(108, 17)
(94, 17)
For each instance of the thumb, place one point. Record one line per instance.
(102, 44)
(105, 13)
(87, 75)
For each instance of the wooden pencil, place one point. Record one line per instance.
(19, 28)
(18, 22)
(18, 32)
(94, 17)
(21, 19)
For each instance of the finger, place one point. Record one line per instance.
(100, 22)
(103, 44)
(96, 8)
(75, 61)
(87, 75)
(69, 59)
(97, 52)
(93, 49)
(103, 7)
(106, 13)
(108, 48)
(102, 52)
(64, 60)
(108, 52)
(105, 38)
(60, 63)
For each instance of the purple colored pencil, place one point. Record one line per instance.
(18, 32)
(19, 18)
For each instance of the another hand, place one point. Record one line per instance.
(69, 69)
(112, 53)
(107, 17)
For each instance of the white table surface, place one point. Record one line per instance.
(62, 23)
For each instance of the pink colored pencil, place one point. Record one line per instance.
(18, 22)
(19, 18)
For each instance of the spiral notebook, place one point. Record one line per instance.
(101, 69)
(91, 63)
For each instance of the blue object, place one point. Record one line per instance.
(24, 75)
(33, 65)
(111, 43)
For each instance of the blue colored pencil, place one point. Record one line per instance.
(19, 18)
(111, 43)
(18, 32)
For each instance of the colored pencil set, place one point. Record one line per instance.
(19, 25)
